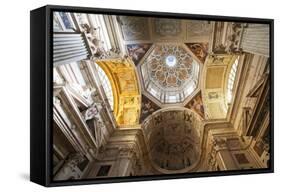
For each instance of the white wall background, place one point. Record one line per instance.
(14, 102)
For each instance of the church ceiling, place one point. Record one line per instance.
(176, 69)
(172, 58)
(139, 29)
(216, 72)
(168, 95)
(126, 91)
(169, 73)
(168, 54)
(174, 138)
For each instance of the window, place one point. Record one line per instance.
(105, 84)
(171, 99)
(66, 19)
(153, 92)
(56, 24)
(63, 22)
(231, 80)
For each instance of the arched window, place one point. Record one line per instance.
(231, 79)
(105, 84)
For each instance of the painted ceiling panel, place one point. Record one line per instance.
(127, 98)
(137, 51)
(214, 78)
(200, 50)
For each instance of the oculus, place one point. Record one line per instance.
(171, 60)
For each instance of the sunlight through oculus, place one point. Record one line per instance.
(171, 60)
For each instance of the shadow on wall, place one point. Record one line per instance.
(24, 176)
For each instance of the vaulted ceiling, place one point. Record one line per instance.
(174, 139)
(169, 55)
(175, 66)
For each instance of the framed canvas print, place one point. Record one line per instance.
(123, 95)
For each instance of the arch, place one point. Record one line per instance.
(174, 138)
(126, 90)
(216, 72)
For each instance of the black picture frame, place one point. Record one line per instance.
(41, 94)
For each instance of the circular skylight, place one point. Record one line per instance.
(171, 60)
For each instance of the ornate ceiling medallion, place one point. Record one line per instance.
(170, 73)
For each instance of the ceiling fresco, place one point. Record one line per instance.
(216, 73)
(170, 71)
(169, 66)
(168, 54)
(159, 96)
(139, 29)
(172, 58)
(174, 138)
(137, 51)
(200, 50)
(127, 98)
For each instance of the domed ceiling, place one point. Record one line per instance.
(168, 54)
(169, 72)
(174, 139)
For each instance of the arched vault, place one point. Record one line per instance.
(126, 90)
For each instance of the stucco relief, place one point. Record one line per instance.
(134, 28)
(167, 27)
